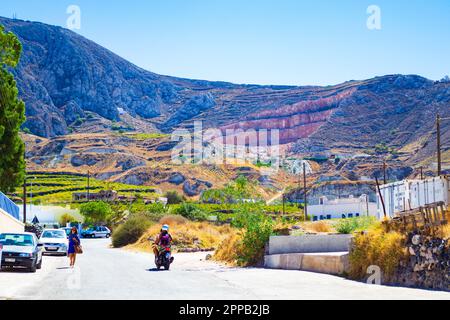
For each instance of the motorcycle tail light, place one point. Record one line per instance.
(167, 249)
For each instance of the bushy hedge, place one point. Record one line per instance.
(130, 231)
(348, 226)
(256, 228)
(191, 212)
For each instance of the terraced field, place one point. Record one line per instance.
(58, 188)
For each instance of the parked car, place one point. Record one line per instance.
(96, 232)
(67, 230)
(21, 250)
(54, 241)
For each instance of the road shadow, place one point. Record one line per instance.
(14, 270)
(156, 270)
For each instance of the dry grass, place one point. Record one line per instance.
(228, 251)
(318, 227)
(379, 248)
(186, 234)
(445, 230)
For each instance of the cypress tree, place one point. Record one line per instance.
(12, 116)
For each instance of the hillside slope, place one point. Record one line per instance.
(66, 79)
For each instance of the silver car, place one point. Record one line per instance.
(54, 241)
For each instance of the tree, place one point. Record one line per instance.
(65, 219)
(96, 212)
(12, 116)
(174, 197)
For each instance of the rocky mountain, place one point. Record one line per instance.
(63, 77)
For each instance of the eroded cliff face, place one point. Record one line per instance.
(295, 121)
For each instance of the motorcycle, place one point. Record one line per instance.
(164, 258)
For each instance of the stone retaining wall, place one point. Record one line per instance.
(428, 265)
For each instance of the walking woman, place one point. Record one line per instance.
(74, 246)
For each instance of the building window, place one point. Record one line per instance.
(350, 215)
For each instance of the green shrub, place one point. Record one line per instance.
(257, 228)
(191, 212)
(130, 231)
(26, 130)
(174, 197)
(351, 225)
(96, 212)
(65, 219)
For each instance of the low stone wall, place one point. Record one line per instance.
(428, 265)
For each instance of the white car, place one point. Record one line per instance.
(54, 241)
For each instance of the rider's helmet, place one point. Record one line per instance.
(165, 228)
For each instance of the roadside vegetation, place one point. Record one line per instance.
(377, 247)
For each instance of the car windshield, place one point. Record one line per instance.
(21, 240)
(54, 234)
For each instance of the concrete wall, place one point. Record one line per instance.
(335, 263)
(309, 244)
(10, 224)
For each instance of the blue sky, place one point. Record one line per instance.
(314, 42)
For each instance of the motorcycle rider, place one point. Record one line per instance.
(163, 240)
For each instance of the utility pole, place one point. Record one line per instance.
(438, 138)
(381, 197)
(25, 200)
(31, 195)
(421, 173)
(384, 172)
(304, 192)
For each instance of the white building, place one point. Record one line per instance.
(9, 216)
(350, 207)
(412, 194)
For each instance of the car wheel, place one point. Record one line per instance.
(108, 235)
(39, 266)
(33, 268)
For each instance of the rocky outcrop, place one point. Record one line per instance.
(177, 179)
(195, 187)
(335, 190)
(85, 160)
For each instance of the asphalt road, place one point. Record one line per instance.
(106, 273)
